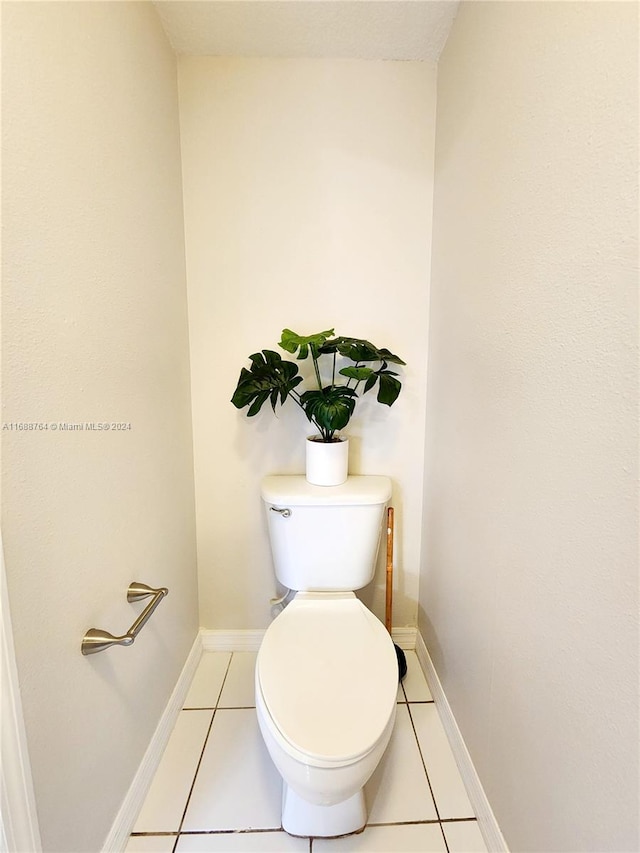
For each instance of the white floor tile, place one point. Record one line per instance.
(163, 808)
(243, 842)
(464, 837)
(235, 804)
(150, 844)
(414, 838)
(237, 786)
(205, 687)
(446, 782)
(239, 686)
(398, 789)
(414, 682)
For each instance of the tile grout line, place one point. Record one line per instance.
(217, 707)
(193, 782)
(441, 821)
(269, 830)
(204, 746)
(255, 831)
(459, 820)
(151, 834)
(424, 764)
(444, 837)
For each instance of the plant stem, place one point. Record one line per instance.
(296, 399)
(317, 370)
(357, 381)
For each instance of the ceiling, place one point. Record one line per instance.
(339, 29)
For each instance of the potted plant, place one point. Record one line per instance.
(330, 404)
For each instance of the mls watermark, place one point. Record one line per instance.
(67, 426)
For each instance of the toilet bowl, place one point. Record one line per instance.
(326, 686)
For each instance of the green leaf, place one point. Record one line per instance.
(371, 381)
(292, 342)
(331, 408)
(270, 377)
(260, 398)
(389, 388)
(356, 349)
(359, 349)
(359, 373)
(385, 355)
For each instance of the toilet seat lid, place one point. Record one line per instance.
(328, 673)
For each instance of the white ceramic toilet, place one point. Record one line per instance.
(327, 671)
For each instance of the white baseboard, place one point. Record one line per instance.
(249, 641)
(405, 638)
(486, 819)
(118, 836)
(231, 641)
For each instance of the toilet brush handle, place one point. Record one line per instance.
(389, 602)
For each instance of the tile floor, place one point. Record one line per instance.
(216, 790)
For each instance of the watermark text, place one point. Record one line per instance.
(67, 426)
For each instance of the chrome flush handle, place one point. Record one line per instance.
(284, 512)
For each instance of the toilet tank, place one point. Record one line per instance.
(325, 537)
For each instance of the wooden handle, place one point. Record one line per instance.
(387, 620)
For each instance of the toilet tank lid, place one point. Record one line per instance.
(296, 491)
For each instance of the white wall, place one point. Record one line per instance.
(307, 205)
(530, 570)
(94, 329)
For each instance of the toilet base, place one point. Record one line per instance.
(305, 819)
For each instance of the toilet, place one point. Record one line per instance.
(327, 673)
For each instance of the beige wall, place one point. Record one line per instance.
(308, 189)
(530, 570)
(94, 329)
(307, 205)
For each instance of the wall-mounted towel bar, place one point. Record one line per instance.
(97, 640)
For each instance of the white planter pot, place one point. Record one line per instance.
(327, 462)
